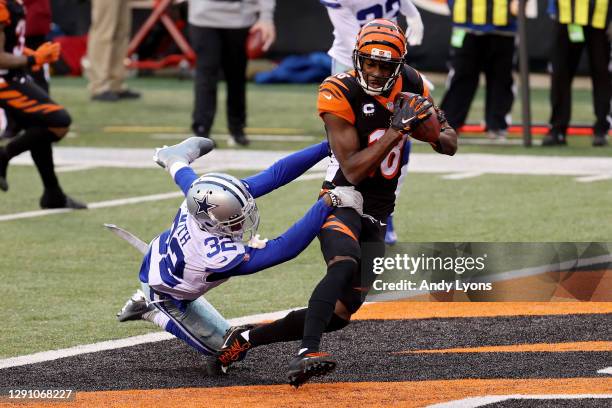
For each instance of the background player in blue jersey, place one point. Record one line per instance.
(204, 246)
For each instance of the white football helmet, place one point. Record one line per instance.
(222, 205)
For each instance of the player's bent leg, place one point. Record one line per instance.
(195, 322)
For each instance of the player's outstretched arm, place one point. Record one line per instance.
(286, 169)
(291, 243)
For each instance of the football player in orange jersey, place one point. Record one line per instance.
(44, 122)
(368, 114)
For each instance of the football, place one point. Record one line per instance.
(429, 130)
(254, 45)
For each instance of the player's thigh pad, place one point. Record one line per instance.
(339, 235)
(30, 106)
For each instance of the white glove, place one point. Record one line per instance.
(347, 196)
(257, 243)
(414, 31)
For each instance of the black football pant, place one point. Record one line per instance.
(344, 234)
(219, 49)
(488, 53)
(564, 60)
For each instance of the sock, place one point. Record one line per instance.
(29, 139)
(289, 328)
(323, 301)
(42, 155)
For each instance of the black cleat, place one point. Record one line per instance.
(309, 364)
(238, 138)
(554, 139)
(3, 166)
(600, 140)
(49, 202)
(234, 347)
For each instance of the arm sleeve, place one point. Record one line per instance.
(184, 178)
(266, 10)
(288, 245)
(286, 169)
(409, 10)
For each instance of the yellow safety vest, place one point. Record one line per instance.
(478, 12)
(583, 12)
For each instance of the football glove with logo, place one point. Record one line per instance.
(346, 196)
(409, 110)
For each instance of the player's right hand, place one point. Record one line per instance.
(347, 196)
(409, 110)
(47, 52)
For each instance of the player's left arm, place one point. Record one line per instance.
(287, 246)
(447, 142)
(286, 169)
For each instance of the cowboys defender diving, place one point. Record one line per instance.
(204, 245)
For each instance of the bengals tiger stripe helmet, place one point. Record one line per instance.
(380, 40)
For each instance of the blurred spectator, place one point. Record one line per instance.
(109, 36)
(579, 23)
(347, 17)
(218, 32)
(482, 41)
(38, 26)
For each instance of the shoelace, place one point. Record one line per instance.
(233, 352)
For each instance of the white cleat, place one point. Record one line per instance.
(185, 152)
(134, 308)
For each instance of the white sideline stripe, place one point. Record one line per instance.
(596, 177)
(76, 167)
(461, 176)
(607, 370)
(122, 201)
(91, 206)
(121, 343)
(474, 402)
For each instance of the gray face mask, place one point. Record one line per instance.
(222, 205)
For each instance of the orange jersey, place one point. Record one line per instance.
(341, 95)
(12, 18)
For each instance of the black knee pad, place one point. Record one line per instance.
(59, 119)
(352, 300)
(336, 323)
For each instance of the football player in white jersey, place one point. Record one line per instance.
(347, 17)
(204, 246)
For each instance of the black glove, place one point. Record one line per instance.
(408, 111)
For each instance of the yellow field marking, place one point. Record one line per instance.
(180, 129)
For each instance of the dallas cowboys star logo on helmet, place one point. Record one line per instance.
(204, 206)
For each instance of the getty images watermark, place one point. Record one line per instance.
(480, 271)
(411, 265)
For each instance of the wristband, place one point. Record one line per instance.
(334, 199)
(31, 61)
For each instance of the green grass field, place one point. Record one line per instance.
(64, 277)
(167, 104)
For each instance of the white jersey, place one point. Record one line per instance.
(347, 17)
(181, 259)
